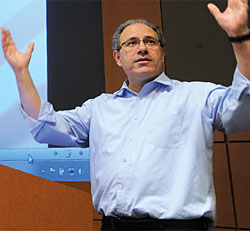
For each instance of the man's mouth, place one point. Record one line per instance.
(143, 60)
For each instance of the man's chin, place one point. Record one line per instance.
(147, 73)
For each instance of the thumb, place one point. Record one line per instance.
(30, 48)
(214, 10)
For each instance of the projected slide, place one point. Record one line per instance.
(26, 20)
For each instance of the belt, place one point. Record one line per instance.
(126, 223)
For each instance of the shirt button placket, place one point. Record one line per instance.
(123, 174)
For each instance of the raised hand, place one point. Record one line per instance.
(234, 19)
(19, 61)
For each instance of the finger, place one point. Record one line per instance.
(4, 38)
(214, 10)
(9, 43)
(245, 2)
(237, 3)
(9, 38)
(3, 35)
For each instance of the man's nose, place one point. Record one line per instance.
(142, 48)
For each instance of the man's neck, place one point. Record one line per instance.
(137, 85)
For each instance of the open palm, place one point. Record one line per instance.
(18, 60)
(234, 19)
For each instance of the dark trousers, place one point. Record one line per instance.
(112, 223)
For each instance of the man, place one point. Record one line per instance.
(150, 142)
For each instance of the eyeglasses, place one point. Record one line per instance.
(133, 43)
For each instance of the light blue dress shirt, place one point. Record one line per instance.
(151, 153)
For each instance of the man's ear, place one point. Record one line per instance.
(116, 55)
(163, 54)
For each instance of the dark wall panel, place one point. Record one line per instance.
(114, 13)
(240, 158)
(225, 213)
(197, 48)
(75, 52)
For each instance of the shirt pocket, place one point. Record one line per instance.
(164, 131)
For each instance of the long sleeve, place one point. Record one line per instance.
(229, 108)
(64, 128)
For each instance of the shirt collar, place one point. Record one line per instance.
(163, 79)
(160, 79)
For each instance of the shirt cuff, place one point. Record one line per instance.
(240, 85)
(46, 114)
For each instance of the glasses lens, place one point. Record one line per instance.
(150, 41)
(134, 43)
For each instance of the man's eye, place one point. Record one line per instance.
(151, 41)
(131, 43)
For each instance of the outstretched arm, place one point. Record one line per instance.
(19, 62)
(234, 21)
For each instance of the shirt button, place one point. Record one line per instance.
(121, 187)
(136, 117)
(124, 160)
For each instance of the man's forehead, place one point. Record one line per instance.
(137, 30)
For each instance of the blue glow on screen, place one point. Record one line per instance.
(26, 20)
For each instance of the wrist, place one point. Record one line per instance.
(238, 33)
(20, 73)
(240, 38)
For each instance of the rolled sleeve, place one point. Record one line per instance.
(45, 115)
(240, 85)
(63, 128)
(229, 107)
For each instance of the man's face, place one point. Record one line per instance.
(143, 61)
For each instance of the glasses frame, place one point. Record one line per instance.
(144, 40)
